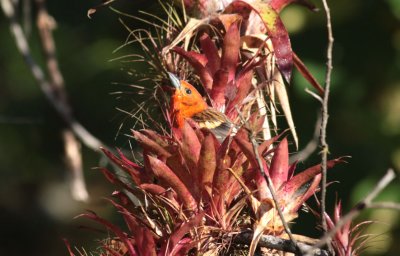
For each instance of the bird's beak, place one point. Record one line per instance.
(176, 82)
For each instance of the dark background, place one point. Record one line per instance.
(36, 209)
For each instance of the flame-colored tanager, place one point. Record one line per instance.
(187, 102)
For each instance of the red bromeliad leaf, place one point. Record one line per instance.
(346, 237)
(278, 5)
(243, 84)
(218, 89)
(112, 178)
(228, 19)
(196, 129)
(280, 164)
(294, 189)
(265, 145)
(135, 171)
(153, 189)
(144, 240)
(275, 30)
(205, 76)
(253, 173)
(338, 212)
(150, 145)
(123, 198)
(201, 58)
(127, 161)
(301, 67)
(255, 122)
(130, 220)
(178, 165)
(221, 175)
(111, 251)
(173, 246)
(329, 221)
(310, 189)
(183, 247)
(225, 87)
(211, 53)
(67, 244)
(190, 146)
(164, 173)
(337, 243)
(236, 169)
(230, 51)
(115, 229)
(344, 233)
(262, 186)
(245, 146)
(292, 168)
(160, 140)
(207, 163)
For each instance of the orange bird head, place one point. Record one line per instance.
(185, 102)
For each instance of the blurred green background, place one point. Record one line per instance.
(36, 209)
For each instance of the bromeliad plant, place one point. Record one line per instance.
(217, 38)
(349, 240)
(192, 194)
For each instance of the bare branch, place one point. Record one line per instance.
(64, 111)
(73, 159)
(270, 185)
(385, 205)
(364, 204)
(280, 244)
(313, 94)
(310, 147)
(46, 24)
(73, 156)
(325, 116)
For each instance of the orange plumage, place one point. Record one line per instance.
(187, 102)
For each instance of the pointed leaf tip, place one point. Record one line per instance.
(280, 164)
(164, 173)
(275, 29)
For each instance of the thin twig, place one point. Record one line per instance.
(311, 146)
(270, 185)
(280, 244)
(73, 159)
(73, 155)
(385, 205)
(325, 116)
(86, 137)
(364, 204)
(314, 95)
(271, 188)
(46, 24)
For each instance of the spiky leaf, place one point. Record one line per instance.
(275, 30)
(164, 173)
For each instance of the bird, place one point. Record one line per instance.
(187, 102)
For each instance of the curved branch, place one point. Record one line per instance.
(47, 88)
(353, 213)
(280, 244)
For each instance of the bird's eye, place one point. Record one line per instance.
(188, 91)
